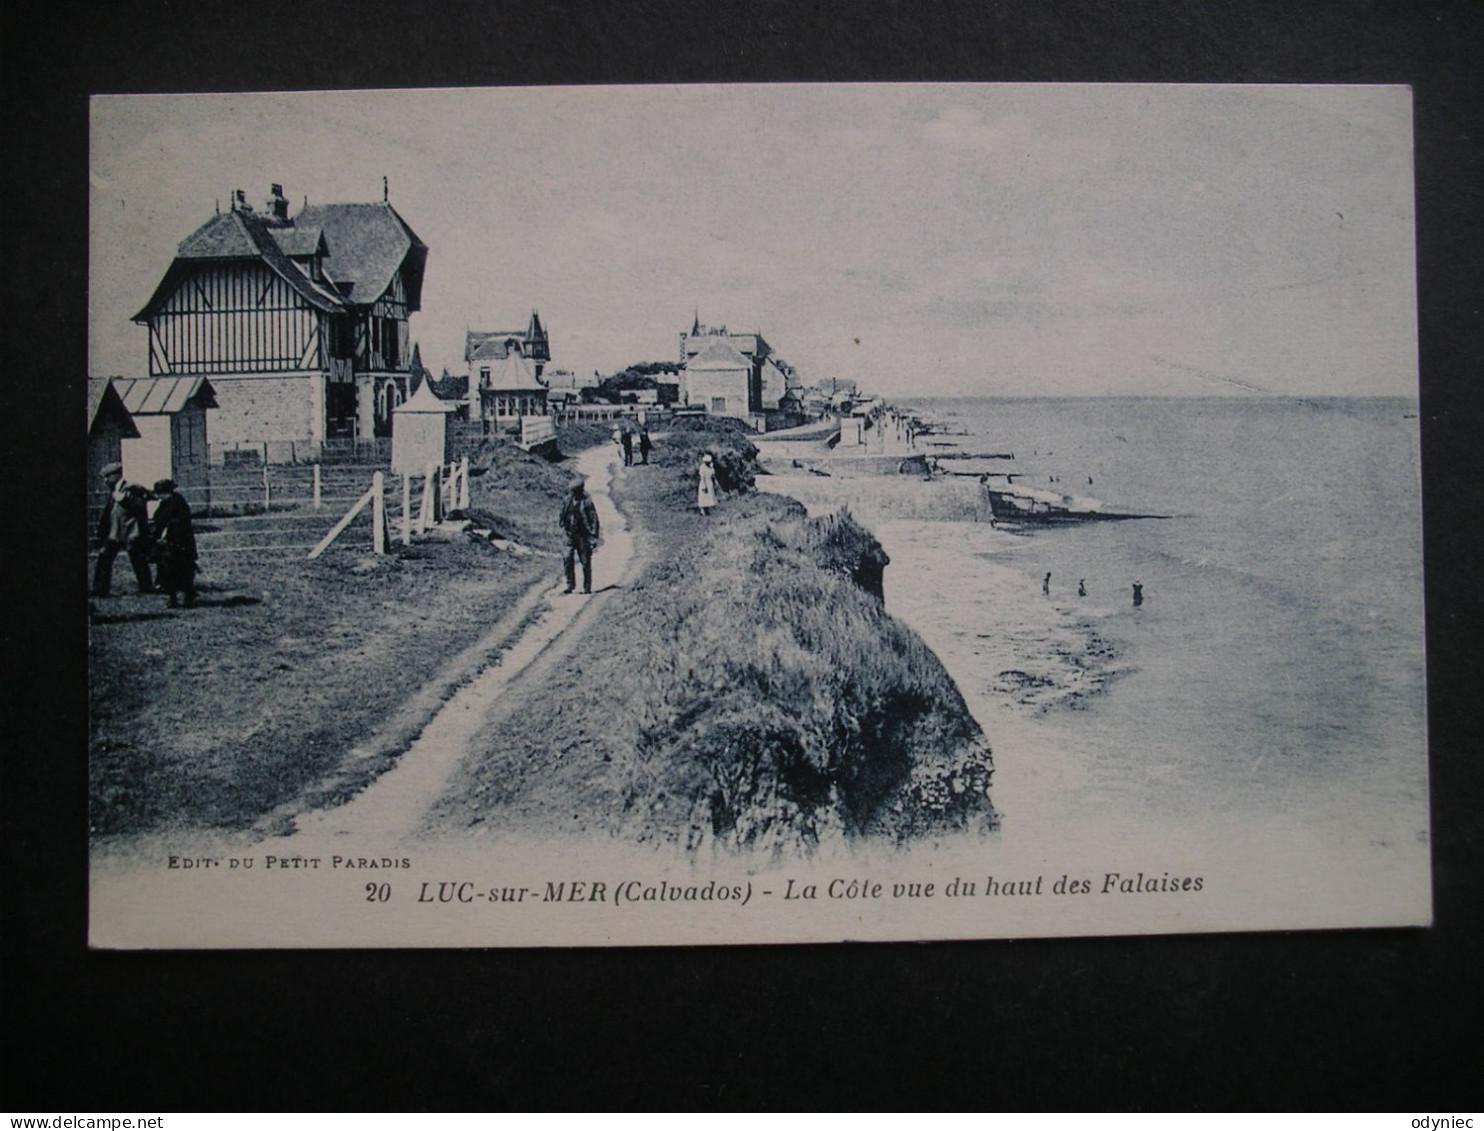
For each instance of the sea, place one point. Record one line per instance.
(1272, 681)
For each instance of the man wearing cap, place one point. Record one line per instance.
(580, 521)
(122, 526)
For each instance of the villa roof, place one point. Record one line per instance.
(152, 396)
(720, 354)
(103, 399)
(513, 374)
(367, 245)
(362, 247)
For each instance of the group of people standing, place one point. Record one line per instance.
(166, 540)
(627, 439)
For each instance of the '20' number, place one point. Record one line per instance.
(378, 893)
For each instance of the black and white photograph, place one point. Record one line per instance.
(657, 515)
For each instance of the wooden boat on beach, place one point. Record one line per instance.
(1012, 504)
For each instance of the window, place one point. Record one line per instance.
(388, 330)
(484, 377)
(718, 404)
(342, 338)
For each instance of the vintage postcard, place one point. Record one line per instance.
(753, 514)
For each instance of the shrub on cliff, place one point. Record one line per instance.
(734, 456)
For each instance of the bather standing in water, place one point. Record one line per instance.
(1138, 593)
(1046, 584)
(1082, 587)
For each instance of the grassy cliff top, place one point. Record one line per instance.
(747, 691)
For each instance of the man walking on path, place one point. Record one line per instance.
(645, 446)
(580, 521)
(628, 448)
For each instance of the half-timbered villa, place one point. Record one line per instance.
(300, 322)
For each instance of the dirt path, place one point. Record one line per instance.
(394, 805)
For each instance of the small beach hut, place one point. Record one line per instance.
(170, 414)
(109, 425)
(421, 436)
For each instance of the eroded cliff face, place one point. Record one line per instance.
(807, 711)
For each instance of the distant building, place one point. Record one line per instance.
(170, 414)
(453, 389)
(563, 387)
(301, 322)
(700, 339)
(509, 389)
(486, 350)
(719, 379)
(772, 385)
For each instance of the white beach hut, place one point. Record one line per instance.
(420, 437)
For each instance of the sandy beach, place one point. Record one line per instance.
(1053, 682)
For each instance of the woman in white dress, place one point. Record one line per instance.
(706, 485)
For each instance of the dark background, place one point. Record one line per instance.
(1373, 1020)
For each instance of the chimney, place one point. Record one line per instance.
(239, 201)
(278, 205)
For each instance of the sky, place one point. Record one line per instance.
(924, 240)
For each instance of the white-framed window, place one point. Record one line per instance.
(718, 404)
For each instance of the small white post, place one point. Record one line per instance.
(378, 515)
(464, 483)
(406, 509)
(317, 501)
(426, 514)
(267, 487)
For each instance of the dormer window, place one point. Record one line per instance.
(484, 377)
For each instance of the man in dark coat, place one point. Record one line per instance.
(628, 448)
(580, 521)
(646, 445)
(175, 540)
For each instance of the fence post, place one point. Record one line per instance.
(317, 502)
(406, 509)
(464, 483)
(267, 486)
(427, 507)
(378, 515)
